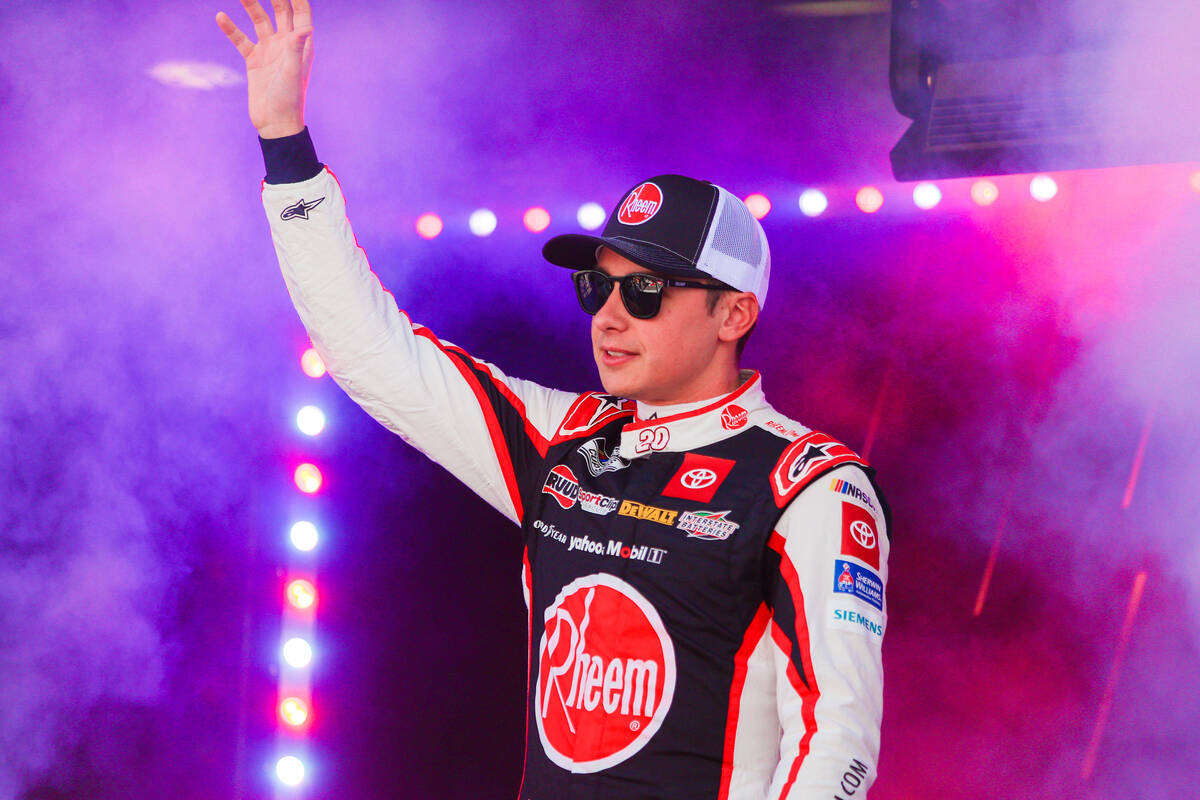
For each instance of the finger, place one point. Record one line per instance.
(283, 15)
(262, 23)
(231, 31)
(301, 14)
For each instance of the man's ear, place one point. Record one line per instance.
(740, 311)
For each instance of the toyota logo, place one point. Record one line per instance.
(698, 478)
(863, 534)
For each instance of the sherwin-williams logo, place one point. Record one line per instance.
(640, 204)
(707, 524)
(562, 486)
(852, 579)
(663, 516)
(606, 674)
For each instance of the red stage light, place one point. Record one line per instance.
(429, 226)
(293, 711)
(301, 594)
(312, 364)
(869, 199)
(758, 204)
(537, 219)
(308, 478)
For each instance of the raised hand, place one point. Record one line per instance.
(277, 65)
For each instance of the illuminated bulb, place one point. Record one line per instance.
(429, 226)
(310, 420)
(294, 711)
(869, 199)
(1043, 188)
(591, 216)
(308, 478)
(537, 219)
(482, 222)
(301, 594)
(758, 204)
(290, 771)
(926, 196)
(312, 364)
(1195, 180)
(984, 192)
(813, 202)
(304, 536)
(297, 653)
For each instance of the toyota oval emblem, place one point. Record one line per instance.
(698, 478)
(863, 534)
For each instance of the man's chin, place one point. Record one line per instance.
(616, 384)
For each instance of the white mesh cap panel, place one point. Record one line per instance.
(736, 250)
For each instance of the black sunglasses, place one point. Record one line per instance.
(641, 293)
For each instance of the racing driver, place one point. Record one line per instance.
(704, 576)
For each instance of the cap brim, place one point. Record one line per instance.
(578, 251)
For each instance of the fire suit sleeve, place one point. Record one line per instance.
(828, 619)
(486, 428)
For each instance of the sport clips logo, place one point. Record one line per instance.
(606, 674)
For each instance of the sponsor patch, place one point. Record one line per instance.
(562, 486)
(851, 579)
(698, 477)
(606, 674)
(595, 503)
(300, 209)
(597, 459)
(805, 458)
(849, 619)
(733, 417)
(784, 430)
(663, 516)
(609, 547)
(859, 539)
(850, 490)
(707, 524)
(641, 204)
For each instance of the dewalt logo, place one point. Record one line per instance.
(663, 516)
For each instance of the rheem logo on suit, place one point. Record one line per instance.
(606, 674)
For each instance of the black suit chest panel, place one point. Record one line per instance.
(688, 530)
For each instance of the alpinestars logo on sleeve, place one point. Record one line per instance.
(300, 209)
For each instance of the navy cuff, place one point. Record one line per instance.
(290, 159)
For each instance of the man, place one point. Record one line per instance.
(704, 576)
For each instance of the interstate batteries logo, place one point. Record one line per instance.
(606, 674)
(707, 524)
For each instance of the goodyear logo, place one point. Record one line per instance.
(663, 516)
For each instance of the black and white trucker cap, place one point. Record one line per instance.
(682, 227)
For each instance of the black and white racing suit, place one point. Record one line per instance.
(705, 587)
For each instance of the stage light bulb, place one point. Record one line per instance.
(926, 196)
(813, 202)
(482, 222)
(869, 199)
(312, 364)
(536, 219)
(1043, 188)
(591, 216)
(310, 420)
(758, 204)
(308, 478)
(301, 594)
(984, 192)
(290, 771)
(1195, 181)
(429, 226)
(304, 536)
(294, 711)
(297, 653)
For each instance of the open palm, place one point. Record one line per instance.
(277, 65)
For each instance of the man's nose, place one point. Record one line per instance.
(613, 313)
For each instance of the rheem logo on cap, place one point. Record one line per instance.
(606, 674)
(641, 204)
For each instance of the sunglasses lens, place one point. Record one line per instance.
(593, 289)
(642, 295)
